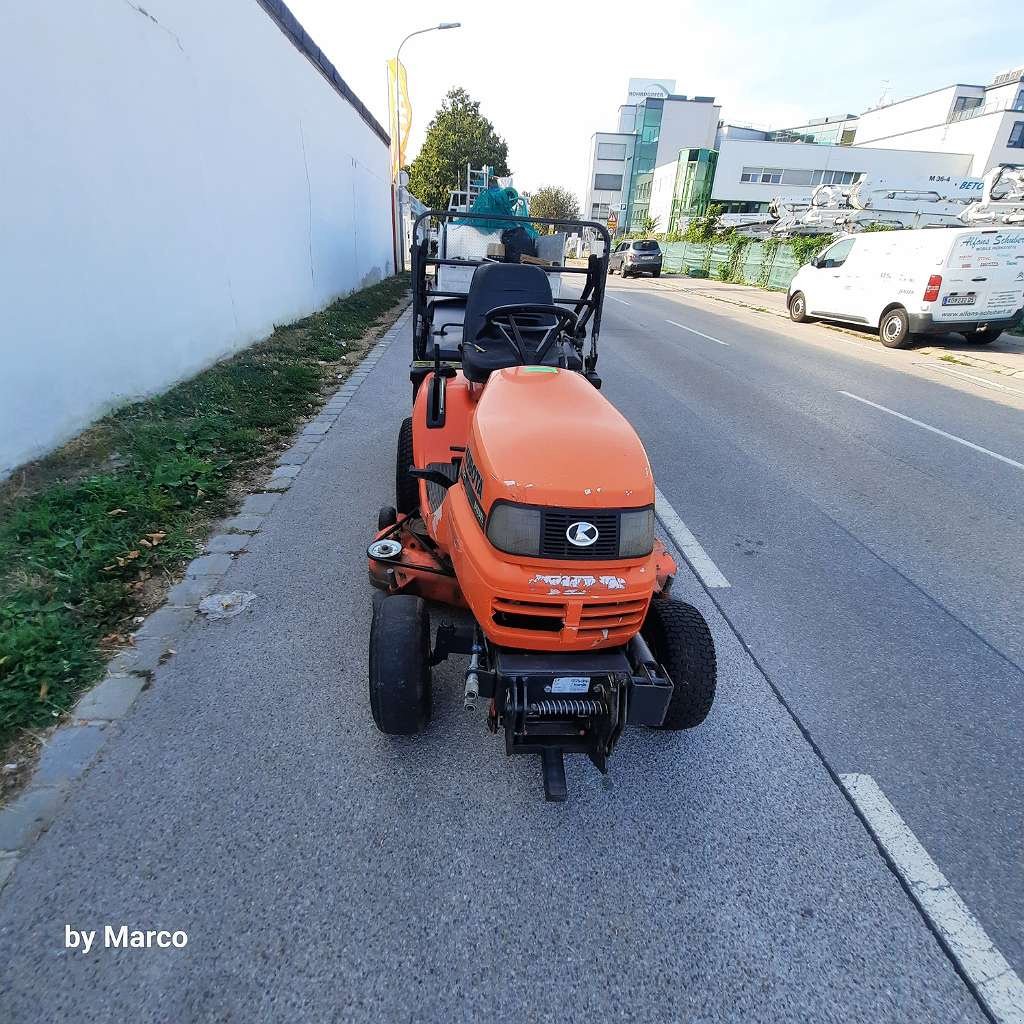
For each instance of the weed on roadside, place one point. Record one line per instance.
(90, 536)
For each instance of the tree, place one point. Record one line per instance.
(552, 201)
(648, 224)
(458, 135)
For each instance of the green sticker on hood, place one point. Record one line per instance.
(540, 369)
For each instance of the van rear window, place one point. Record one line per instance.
(646, 246)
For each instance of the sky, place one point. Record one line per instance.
(549, 75)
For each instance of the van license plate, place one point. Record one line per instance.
(958, 300)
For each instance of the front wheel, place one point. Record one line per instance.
(680, 639)
(983, 337)
(798, 308)
(894, 328)
(400, 677)
(656, 273)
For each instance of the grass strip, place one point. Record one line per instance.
(92, 535)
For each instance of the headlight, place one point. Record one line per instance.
(515, 529)
(636, 533)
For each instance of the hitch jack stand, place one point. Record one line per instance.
(554, 774)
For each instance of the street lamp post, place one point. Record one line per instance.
(396, 185)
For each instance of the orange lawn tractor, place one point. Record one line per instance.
(525, 498)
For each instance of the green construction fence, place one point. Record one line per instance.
(763, 264)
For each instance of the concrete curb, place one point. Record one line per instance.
(74, 747)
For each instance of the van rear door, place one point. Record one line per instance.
(984, 276)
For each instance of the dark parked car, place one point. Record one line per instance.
(640, 256)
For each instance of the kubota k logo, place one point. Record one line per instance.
(581, 534)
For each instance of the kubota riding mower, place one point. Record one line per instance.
(526, 498)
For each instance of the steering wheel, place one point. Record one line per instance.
(507, 320)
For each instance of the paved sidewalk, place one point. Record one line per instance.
(1005, 356)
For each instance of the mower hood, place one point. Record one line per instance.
(546, 436)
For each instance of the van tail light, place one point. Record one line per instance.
(931, 293)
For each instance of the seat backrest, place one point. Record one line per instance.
(502, 284)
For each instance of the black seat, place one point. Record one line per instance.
(502, 284)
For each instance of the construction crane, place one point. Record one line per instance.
(997, 198)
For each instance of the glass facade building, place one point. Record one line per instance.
(647, 128)
(695, 176)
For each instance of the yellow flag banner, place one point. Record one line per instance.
(400, 110)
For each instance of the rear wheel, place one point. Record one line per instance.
(680, 639)
(798, 308)
(894, 328)
(983, 337)
(407, 489)
(400, 678)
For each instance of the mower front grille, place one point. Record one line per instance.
(609, 618)
(555, 542)
(537, 616)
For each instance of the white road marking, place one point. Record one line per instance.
(614, 299)
(994, 979)
(699, 559)
(717, 341)
(935, 430)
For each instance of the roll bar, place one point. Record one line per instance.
(587, 307)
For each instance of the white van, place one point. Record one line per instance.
(924, 281)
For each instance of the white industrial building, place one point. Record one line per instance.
(653, 125)
(611, 158)
(956, 131)
(986, 121)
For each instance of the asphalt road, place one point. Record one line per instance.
(326, 873)
(876, 566)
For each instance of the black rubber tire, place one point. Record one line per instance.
(983, 337)
(798, 308)
(680, 639)
(623, 274)
(611, 270)
(894, 328)
(387, 516)
(400, 678)
(655, 273)
(407, 488)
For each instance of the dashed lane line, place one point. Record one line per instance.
(717, 341)
(935, 430)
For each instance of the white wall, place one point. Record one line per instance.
(687, 125)
(984, 137)
(174, 183)
(908, 115)
(663, 183)
(884, 163)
